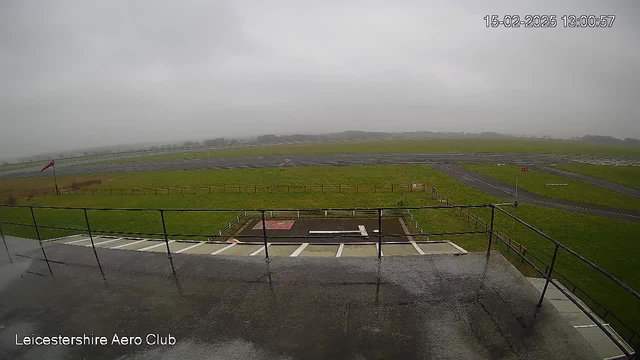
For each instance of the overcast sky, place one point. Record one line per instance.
(89, 73)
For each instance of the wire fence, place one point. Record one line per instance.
(305, 188)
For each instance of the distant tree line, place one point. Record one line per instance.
(608, 140)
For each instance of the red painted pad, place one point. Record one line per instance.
(275, 224)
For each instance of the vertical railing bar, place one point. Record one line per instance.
(164, 230)
(93, 245)
(35, 225)
(264, 235)
(548, 275)
(5, 244)
(493, 211)
(379, 233)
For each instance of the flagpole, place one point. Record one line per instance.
(55, 181)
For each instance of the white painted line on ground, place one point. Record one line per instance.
(124, 245)
(223, 249)
(334, 232)
(63, 237)
(457, 247)
(105, 242)
(156, 245)
(340, 249)
(189, 247)
(259, 250)
(363, 231)
(588, 326)
(299, 250)
(76, 241)
(417, 248)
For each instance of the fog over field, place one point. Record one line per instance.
(77, 74)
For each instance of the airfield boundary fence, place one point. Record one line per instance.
(304, 188)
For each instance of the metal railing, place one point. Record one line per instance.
(379, 213)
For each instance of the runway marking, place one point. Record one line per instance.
(285, 162)
(340, 249)
(129, 244)
(299, 250)
(259, 250)
(156, 245)
(223, 249)
(189, 247)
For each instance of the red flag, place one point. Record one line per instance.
(50, 164)
(524, 169)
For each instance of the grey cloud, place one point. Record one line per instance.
(83, 73)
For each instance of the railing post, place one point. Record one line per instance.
(264, 235)
(5, 243)
(93, 245)
(164, 231)
(379, 233)
(493, 212)
(548, 275)
(35, 225)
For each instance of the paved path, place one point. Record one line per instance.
(495, 187)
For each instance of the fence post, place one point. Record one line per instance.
(379, 233)
(391, 187)
(255, 188)
(93, 245)
(339, 188)
(35, 225)
(164, 230)
(493, 211)
(264, 235)
(548, 275)
(209, 189)
(5, 243)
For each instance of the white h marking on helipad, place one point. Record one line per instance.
(363, 231)
(299, 250)
(189, 247)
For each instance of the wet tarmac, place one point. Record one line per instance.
(414, 307)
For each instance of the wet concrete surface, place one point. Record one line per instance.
(426, 307)
(496, 187)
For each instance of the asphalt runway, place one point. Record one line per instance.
(413, 307)
(288, 161)
(495, 187)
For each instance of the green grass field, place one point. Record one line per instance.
(536, 182)
(624, 175)
(403, 146)
(609, 243)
